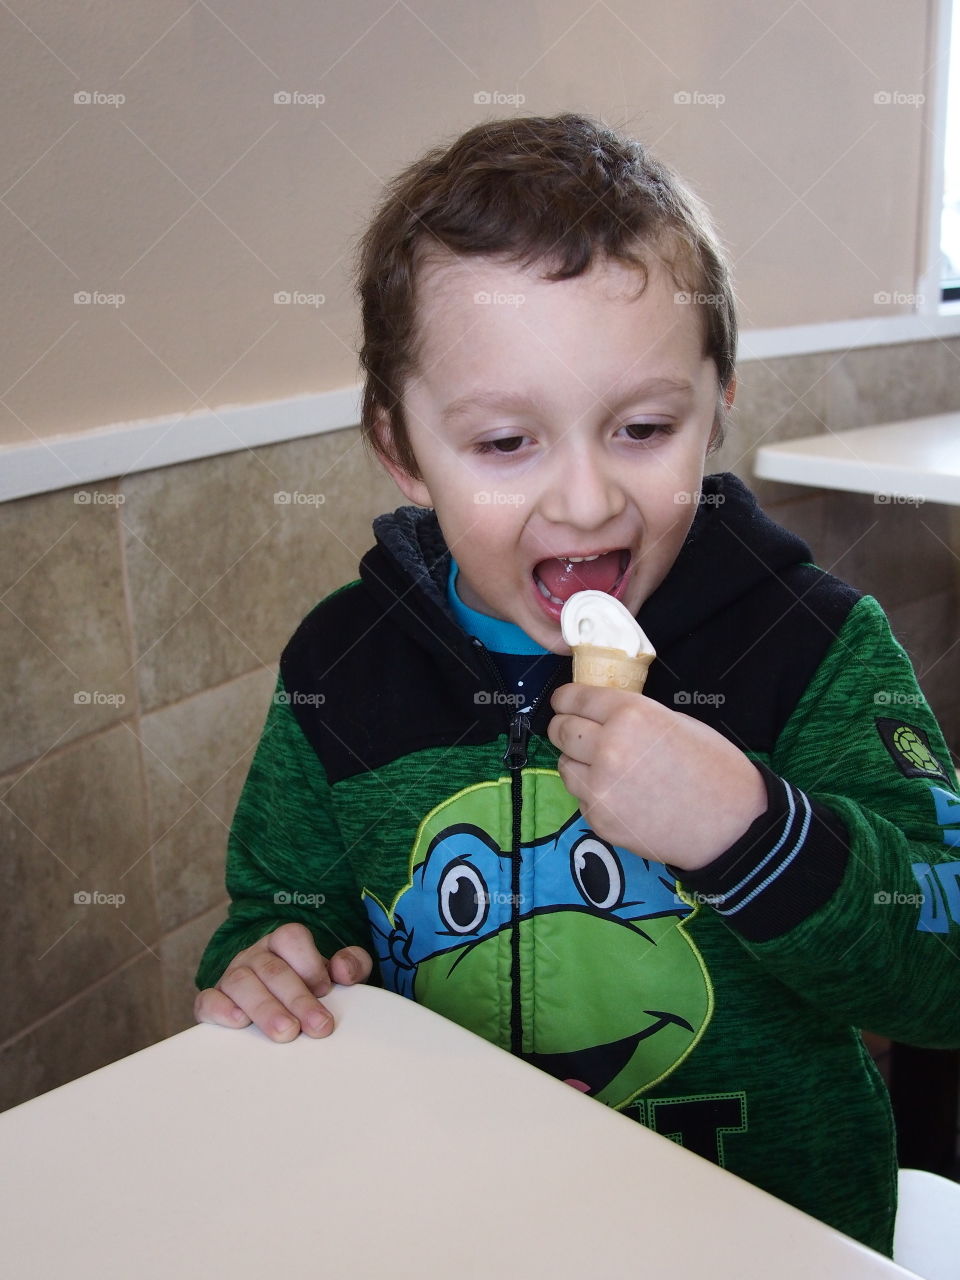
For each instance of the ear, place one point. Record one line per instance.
(413, 489)
(716, 433)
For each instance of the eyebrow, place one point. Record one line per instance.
(516, 402)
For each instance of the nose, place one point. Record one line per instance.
(581, 489)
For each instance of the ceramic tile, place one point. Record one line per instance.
(226, 555)
(118, 1017)
(181, 951)
(779, 399)
(796, 396)
(886, 384)
(73, 824)
(64, 645)
(895, 551)
(196, 755)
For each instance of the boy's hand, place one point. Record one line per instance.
(653, 780)
(275, 984)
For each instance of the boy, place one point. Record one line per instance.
(683, 902)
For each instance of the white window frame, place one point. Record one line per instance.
(930, 284)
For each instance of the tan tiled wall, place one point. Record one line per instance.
(167, 611)
(170, 610)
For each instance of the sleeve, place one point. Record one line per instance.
(285, 855)
(848, 887)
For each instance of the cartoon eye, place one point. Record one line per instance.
(464, 898)
(597, 871)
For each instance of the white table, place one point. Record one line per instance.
(915, 459)
(401, 1146)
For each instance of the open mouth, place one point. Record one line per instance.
(591, 1070)
(560, 577)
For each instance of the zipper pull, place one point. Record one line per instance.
(515, 756)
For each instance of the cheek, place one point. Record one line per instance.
(665, 530)
(673, 514)
(488, 545)
(467, 517)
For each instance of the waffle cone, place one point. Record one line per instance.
(610, 668)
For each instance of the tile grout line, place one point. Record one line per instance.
(156, 942)
(61, 1008)
(134, 720)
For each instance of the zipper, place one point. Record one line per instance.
(515, 758)
(518, 735)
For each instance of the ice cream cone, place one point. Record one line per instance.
(610, 668)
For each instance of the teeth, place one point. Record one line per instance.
(580, 559)
(543, 591)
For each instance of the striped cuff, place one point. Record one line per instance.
(784, 867)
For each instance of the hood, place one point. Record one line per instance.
(732, 546)
(406, 573)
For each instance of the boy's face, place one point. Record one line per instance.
(554, 422)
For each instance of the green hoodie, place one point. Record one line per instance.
(397, 801)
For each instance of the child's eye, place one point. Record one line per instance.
(507, 444)
(646, 430)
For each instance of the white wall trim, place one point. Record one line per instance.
(100, 453)
(84, 457)
(848, 335)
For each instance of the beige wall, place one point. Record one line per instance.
(198, 198)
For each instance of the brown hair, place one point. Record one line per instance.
(560, 190)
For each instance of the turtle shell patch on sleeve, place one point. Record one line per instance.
(910, 750)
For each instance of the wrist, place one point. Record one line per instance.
(787, 864)
(726, 824)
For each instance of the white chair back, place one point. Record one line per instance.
(927, 1233)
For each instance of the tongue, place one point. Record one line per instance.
(562, 579)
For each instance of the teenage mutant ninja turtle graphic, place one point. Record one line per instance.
(573, 954)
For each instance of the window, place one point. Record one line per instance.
(950, 213)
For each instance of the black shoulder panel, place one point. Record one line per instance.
(744, 669)
(366, 690)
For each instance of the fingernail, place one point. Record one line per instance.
(351, 965)
(283, 1026)
(318, 1021)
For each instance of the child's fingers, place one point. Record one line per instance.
(274, 984)
(574, 776)
(274, 997)
(574, 736)
(351, 964)
(214, 1006)
(586, 700)
(294, 944)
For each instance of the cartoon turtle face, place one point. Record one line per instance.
(580, 940)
